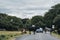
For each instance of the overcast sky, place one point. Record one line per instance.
(26, 8)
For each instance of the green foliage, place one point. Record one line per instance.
(56, 21)
(40, 24)
(38, 21)
(51, 14)
(10, 22)
(2, 37)
(26, 23)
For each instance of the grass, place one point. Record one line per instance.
(56, 35)
(9, 35)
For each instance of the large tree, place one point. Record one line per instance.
(51, 14)
(10, 22)
(38, 21)
(26, 23)
(56, 22)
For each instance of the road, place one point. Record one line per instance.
(37, 36)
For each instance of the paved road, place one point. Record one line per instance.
(37, 36)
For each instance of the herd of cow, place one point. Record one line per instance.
(36, 29)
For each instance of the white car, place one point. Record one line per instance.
(40, 30)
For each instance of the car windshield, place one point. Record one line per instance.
(29, 19)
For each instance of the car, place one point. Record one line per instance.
(40, 30)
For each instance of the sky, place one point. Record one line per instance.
(26, 8)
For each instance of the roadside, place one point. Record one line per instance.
(9, 35)
(56, 35)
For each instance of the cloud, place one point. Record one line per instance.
(4, 10)
(26, 8)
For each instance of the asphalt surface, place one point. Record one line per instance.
(37, 36)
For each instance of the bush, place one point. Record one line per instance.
(2, 37)
(58, 31)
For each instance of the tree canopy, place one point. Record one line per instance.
(10, 22)
(38, 21)
(51, 14)
(56, 21)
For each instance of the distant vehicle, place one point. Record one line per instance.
(40, 30)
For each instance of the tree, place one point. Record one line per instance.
(10, 22)
(51, 14)
(56, 22)
(26, 23)
(37, 21)
(40, 24)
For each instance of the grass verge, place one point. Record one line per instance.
(9, 35)
(56, 35)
